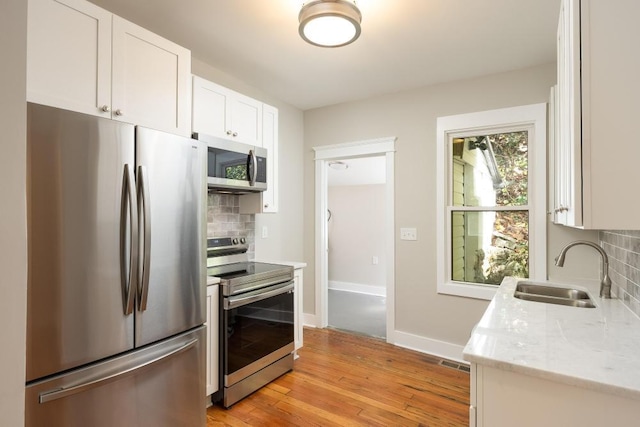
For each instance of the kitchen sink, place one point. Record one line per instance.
(531, 291)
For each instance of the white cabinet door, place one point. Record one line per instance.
(224, 113)
(82, 58)
(298, 279)
(213, 327)
(270, 142)
(246, 120)
(151, 79)
(210, 115)
(507, 399)
(596, 164)
(266, 201)
(568, 155)
(69, 55)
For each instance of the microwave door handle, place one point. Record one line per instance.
(253, 168)
(128, 277)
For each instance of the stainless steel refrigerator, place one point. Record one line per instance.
(116, 283)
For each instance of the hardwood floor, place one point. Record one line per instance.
(342, 379)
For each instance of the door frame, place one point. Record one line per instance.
(323, 155)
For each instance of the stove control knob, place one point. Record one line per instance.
(243, 240)
(235, 241)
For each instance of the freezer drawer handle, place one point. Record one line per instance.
(128, 278)
(143, 199)
(62, 392)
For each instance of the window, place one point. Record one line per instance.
(491, 199)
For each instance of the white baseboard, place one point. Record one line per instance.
(359, 288)
(310, 320)
(430, 346)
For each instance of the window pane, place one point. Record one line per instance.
(490, 170)
(487, 246)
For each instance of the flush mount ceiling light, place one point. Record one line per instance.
(329, 23)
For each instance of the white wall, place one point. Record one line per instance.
(284, 242)
(13, 231)
(356, 235)
(411, 117)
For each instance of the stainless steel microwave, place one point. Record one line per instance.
(234, 167)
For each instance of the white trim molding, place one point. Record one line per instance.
(437, 348)
(359, 288)
(324, 154)
(532, 118)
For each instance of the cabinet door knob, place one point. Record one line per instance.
(235, 134)
(266, 205)
(119, 112)
(228, 132)
(105, 109)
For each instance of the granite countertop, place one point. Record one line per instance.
(595, 348)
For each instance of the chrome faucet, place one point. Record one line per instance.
(605, 281)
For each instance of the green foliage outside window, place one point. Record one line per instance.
(511, 151)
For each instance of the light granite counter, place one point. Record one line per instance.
(595, 348)
(295, 264)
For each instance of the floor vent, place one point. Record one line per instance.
(454, 365)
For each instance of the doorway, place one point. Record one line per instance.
(356, 245)
(383, 148)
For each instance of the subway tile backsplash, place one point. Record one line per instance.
(623, 250)
(225, 220)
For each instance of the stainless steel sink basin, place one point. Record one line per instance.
(531, 291)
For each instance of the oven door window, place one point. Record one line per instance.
(255, 330)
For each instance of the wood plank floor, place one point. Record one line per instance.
(343, 379)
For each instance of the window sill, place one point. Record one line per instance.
(468, 290)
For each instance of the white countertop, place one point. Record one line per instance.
(212, 280)
(295, 264)
(595, 348)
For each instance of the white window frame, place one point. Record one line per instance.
(530, 117)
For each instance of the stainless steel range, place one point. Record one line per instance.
(257, 319)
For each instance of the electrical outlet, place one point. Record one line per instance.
(374, 260)
(265, 232)
(408, 234)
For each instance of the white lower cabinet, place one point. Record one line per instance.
(298, 279)
(501, 398)
(213, 329)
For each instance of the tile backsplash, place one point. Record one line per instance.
(623, 250)
(225, 220)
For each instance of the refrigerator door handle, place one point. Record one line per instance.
(143, 199)
(89, 383)
(128, 279)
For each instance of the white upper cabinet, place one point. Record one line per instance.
(69, 55)
(224, 113)
(270, 142)
(83, 58)
(596, 161)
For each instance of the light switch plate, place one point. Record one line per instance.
(408, 234)
(265, 232)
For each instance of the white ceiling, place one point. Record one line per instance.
(404, 44)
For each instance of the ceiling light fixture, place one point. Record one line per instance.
(338, 165)
(329, 23)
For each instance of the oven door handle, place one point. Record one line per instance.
(235, 302)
